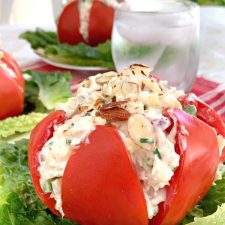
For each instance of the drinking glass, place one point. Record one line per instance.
(163, 34)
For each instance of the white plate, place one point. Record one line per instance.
(71, 67)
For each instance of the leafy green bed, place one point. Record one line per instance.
(211, 2)
(19, 204)
(46, 44)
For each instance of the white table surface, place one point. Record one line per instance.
(212, 44)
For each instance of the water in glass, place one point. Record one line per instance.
(164, 34)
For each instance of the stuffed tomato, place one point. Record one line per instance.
(125, 150)
(86, 21)
(11, 86)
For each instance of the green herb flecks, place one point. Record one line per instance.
(147, 140)
(190, 109)
(157, 152)
(68, 141)
(47, 186)
(145, 107)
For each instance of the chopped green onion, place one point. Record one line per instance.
(147, 140)
(190, 109)
(156, 152)
(47, 186)
(68, 141)
(145, 107)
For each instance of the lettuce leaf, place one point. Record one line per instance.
(44, 90)
(46, 44)
(19, 204)
(211, 2)
(208, 205)
(217, 218)
(16, 128)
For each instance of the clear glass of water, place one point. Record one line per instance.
(163, 34)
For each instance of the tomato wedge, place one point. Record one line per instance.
(11, 87)
(199, 158)
(100, 24)
(206, 114)
(100, 185)
(39, 136)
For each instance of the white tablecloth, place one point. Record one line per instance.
(212, 44)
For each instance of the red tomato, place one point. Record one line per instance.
(199, 158)
(206, 114)
(100, 24)
(100, 180)
(85, 193)
(40, 135)
(11, 87)
(100, 184)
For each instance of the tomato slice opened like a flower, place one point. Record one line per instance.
(196, 143)
(206, 114)
(40, 135)
(100, 184)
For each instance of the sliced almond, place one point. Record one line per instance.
(126, 72)
(140, 69)
(98, 102)
(142, 86)
(150, 99)
(152, 85)
(139, 127)
(130, 87)
(168, 100)
(113, 105)
(114, 114)
(106, 77)
(85, 83)
(107, 89)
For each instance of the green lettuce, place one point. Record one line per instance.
(208, 206)
(16, 128)
(19, 203)
(217, 218)
(46, 44)
(211, 2)
(44, 90)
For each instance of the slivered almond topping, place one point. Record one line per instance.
(113, 105)
(140, 68)
(106, 77)
(130, 87)
(140, 127)
(139, 65)
(114, 114)
(142, 86)
(98, 102)
(82, 108)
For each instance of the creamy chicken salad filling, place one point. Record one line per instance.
(84, 8)
(132, 102)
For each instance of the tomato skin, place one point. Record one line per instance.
(100, 185)
(100, 24)
(39, 136)
(11, 88)
(196, 172)
(206, 114)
